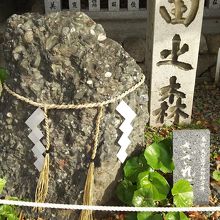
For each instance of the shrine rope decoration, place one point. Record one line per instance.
(43, 181)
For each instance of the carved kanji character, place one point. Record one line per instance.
(171, 91)
(114, 4)
(178, 12)
(94, 3)
(177, 111)
(215, 2)
(161, 112)
(175, 53)
(74, 5)
(133, 4)
(53, 5)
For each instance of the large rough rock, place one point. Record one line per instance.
(66, 58)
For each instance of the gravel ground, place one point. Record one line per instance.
(206, 112)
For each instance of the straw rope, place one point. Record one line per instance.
(87, 197)
(43, 181)
(74, 106)
(96, 140)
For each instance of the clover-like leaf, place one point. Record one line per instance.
(216, 175)
(159, 155)
(8, 212)
(182, 193)
(143, 197)
(176, 216)
(148, 216)
(125, 191)
(155, 183)
(134, 166)
(2, 184)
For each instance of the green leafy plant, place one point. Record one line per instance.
(182, 194)
(125, 191)
(216, 175)
(155, 183)
(7, 212)
(175, 216)
(134, 166)
(145, 183)
(2, 184)
(159, 155)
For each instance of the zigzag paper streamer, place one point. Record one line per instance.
(128, 114)
(35, 136)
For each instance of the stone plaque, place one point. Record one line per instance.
(173, 45)
(94, 5)
(113, 5)
(214, 3)
(191, 155)
(133, 5)
(75, 5)
(52, 6)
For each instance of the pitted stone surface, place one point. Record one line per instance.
(191, 154)
(65, 58)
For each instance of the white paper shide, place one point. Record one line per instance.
(128, 114)
(35, 136)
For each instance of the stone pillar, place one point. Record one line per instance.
(174, 36)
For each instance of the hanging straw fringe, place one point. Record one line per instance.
(87, 197)
(43, 181)
(21, 216)
(88, 190)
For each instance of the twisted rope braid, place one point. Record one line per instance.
(74, 106)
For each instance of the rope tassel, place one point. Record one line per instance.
(43, 182)
(88, 189)
(87, 197)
